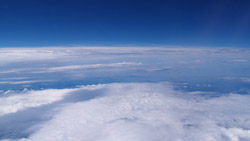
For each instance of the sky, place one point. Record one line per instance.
(213, 23)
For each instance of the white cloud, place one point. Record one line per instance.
(14, 103)
(236, 134)
(64, 54)
(243, 79)
(70, 68)
(247, 80)
(90, 66)
(134, 112)
(238, 61)
(16, 70)
(24, 82)
(10, 55)
(15, 78)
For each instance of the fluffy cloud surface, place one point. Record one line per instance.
(123, 112)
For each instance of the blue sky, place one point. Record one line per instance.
(217, 23)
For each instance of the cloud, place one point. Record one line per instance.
(64, 54)
(238, 61)
(71, 68)
(24, 82)
(29, 61)
(243, 79)
(10, 55)
(14, 103)
(92, 66)
(16, 70)
(15, 78)
(247, 80)
(126, 111)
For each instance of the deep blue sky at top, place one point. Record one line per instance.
(125, 23)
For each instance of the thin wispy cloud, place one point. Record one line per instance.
(24, 82)
(92, 66)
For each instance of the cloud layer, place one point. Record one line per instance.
(48, 66)
(124, 111)
(207, 97)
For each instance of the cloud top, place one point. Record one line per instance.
(133, 111)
